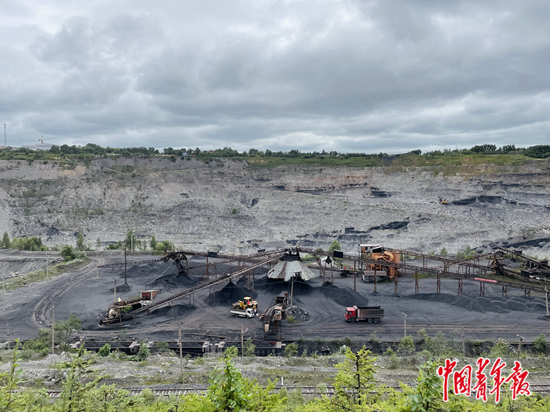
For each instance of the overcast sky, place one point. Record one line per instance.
(348, 75)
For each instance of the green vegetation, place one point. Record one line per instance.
(540, 344)
(105, 350)
(39, 275)
(23, 243)
(355, 389)
(335, 245)
(467, 253)
(406, 346)
(291, 350)
(507, 155)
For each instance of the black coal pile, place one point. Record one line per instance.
(171, 281)
(230, 293)
(276, 286)
(297, 314)
(344, 296)
(137, 271)
(482, 304)
(173, 311)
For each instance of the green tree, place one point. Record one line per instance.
(406, 345)
(249, 348)
(64, 330)
(80, 241)
(427, 393)
(68, 253)
(98, 242)
(227, 390)
(335, 245)
(354, 383)
(6, 241)
(153, 243)
(10, 382)
(443, 252)
(143, 352)
(130, 241)
(540, 344)
(105, 350)
(291, 350)
(231, 352)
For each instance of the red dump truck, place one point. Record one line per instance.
(371, 314)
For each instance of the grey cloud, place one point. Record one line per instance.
(351, 76)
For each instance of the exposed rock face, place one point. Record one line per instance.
(230, 205)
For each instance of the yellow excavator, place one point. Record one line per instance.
(246, 308)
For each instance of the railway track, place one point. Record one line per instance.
(45, 305)
(542, 389)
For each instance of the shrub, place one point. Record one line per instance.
(105, 350)
(231, 352)
(68, 253)
(406, 346)
(540, 344)
(373, 339)
(249, 348)
(143, 352)
(291, 350)
(501, 349)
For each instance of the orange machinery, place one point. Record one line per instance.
(380, 254)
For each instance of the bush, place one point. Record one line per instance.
(231, 352)
(291, 350)
(68, 253)
(162, 347)
(105, 350)
(143, 352)
(540, 344)
(406, 346)
(249, 348)
(501, 349)
(373, 339)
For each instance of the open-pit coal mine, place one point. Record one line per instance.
(473, 263)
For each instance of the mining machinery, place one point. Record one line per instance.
(246, 308)
(380, 254)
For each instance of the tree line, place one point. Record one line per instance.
(91, 149)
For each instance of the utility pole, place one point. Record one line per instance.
(114, 297)
(404, 323)
(5, 141)
(463, 344)
(242, 341)
(546, 293)
(181, 355)
(46, 266)
(53, 329)
(9, 336)
(520, 342)
(124, 263)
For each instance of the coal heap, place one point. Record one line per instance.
(230, 293)
(481, 304)
(173, 311)
(344, 296)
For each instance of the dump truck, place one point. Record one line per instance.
(246, 308)
(371, 314)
